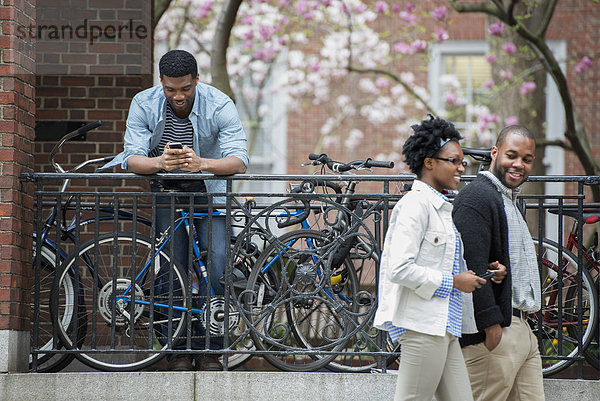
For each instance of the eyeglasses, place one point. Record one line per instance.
(452, 160)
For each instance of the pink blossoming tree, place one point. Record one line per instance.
(325, 46)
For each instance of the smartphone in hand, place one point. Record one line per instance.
(175, 145)
(487, 275)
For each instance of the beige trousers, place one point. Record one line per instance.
(511, 371)
(431, 365)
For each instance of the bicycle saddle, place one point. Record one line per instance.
(478, 154)
(590, 216)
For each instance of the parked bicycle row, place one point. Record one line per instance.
(300, 284)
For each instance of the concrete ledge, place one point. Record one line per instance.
(571, 389)
(232, 386)
(14, 351)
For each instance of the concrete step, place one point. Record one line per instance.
(233, 386)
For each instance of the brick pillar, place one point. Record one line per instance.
(17, 110)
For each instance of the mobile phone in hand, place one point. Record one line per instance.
(175, 145)
(487, 275)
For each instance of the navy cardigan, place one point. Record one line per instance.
(480, 218)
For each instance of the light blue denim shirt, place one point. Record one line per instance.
(218, 131)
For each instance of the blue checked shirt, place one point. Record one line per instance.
(453, 325)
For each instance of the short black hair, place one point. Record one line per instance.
(427, 140)
(513, 129)
(177, 63)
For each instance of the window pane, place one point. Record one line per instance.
(472, 73)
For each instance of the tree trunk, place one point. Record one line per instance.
(218, 57)
(160, 6)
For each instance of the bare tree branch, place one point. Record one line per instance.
(548, 13)
(477, 8)
(556, 142)
(510, 11)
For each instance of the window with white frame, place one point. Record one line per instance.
(458, 73)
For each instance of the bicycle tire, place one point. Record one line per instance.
(553, 342)
(98, 257)
(271, 329)
(48, 362)
(364, 341)
(362, 306)
(592, 350)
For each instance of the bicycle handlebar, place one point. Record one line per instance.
(377, 163)
(69, 136)
(342, 167)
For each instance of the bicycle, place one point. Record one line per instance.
(557, 324)
(312, 290)
(52, 254)
(133, 324)
(566, 331)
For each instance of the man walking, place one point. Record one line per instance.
(502, 358)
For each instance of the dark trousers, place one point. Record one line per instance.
(180, 243)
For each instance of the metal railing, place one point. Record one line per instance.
(300, 282)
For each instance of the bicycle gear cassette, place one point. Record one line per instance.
(122, 308)
(216, 320)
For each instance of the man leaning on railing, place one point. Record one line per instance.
(184, 126)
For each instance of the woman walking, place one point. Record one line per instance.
(423, 276)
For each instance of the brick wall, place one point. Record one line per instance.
(89, 68)
(17, 111)
(60, 60)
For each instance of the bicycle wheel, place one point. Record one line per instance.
(48, 361)
(104, 270)
(365, 340)
(591, 352)
(309, 315)
(239, 339)
(560, 309)
(297, 312)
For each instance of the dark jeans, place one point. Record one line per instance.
(180, 244)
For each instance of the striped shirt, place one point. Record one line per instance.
(176, 130)
(453, 325)
(524, 273)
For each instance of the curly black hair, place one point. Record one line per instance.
(177, 63)
(427, 140)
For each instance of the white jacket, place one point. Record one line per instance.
(419, 246)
